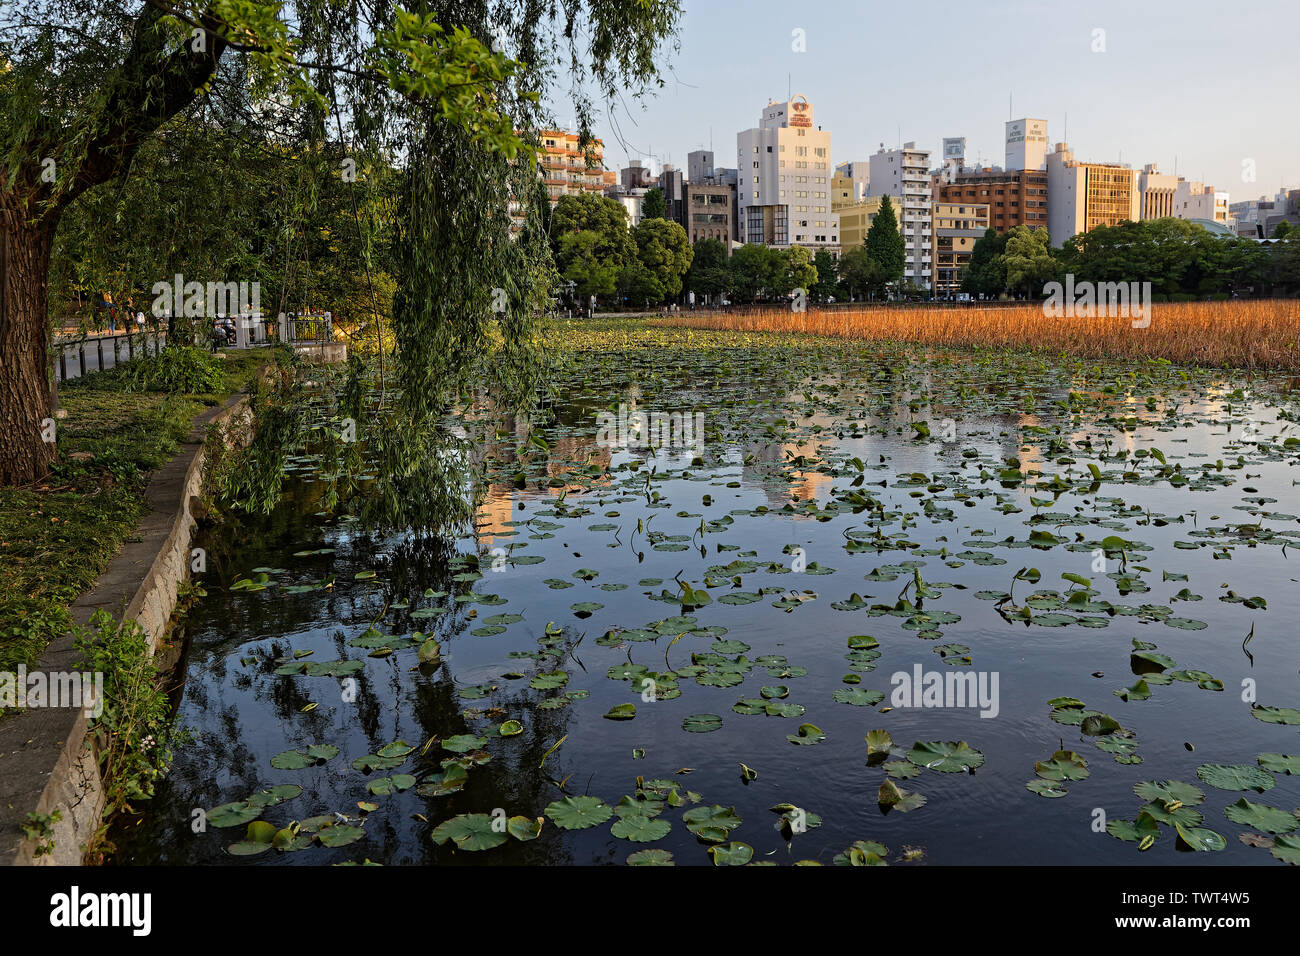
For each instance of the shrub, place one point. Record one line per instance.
(177, 368)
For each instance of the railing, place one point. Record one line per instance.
(94, 353)
(79, 354)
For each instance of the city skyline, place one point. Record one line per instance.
(1106, 68)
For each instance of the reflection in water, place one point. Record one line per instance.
(593, 537)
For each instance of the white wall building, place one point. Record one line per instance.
(904, 176)
(1026, 144)
(783, 185)
(1193, 200)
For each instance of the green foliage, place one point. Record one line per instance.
(827, 286)
(592, 244)
(987, 272)
(884, 244)
(1028, 260)
(860, 274)
(756, 270)
(1178, 258)
(654, 205)
(709, 275)
(796, 271)
(176, 368)
(40, 827)
(135, 734)
(665, 252)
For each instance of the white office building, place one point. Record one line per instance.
(904, 176)
(783, 188)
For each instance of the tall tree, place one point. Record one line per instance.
(859, 273)
(755, 270)
(885, 243)
(826, 288)
(986, 274)
(88, 82)
(796, 271)
(708, 275)
(1028, 260)
(654, 205)
(662, 247)
(592, 244)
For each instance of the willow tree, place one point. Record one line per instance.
(440, 86)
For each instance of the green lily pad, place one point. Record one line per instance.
(1237, 777)
(579, 813)
(948, 756)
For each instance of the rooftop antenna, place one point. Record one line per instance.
(1011, 111)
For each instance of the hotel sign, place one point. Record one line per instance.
(800, 111)
(1033, 131)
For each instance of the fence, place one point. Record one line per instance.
(83, 353)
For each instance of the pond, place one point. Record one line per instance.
(771, 602)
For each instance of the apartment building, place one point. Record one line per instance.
(904, 176)
(1016, 197)
(566, 168)
(784, 179)
(957, 227)
(1082, 196)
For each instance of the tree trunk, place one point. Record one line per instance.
(25, 452)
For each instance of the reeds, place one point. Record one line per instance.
(1248, 334)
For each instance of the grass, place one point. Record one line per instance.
(1253, 334)
(57, 536)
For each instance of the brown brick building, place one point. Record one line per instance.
(1015, 197)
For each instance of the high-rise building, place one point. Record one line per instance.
(784, 179)
(1014, 197)
(904, 176)
(1082, 196)
(957, 227)
(1026, 144)
(1157, 192)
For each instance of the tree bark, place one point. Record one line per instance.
(25, 454)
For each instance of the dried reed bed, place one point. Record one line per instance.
(1250, 334)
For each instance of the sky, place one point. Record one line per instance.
(1213, 87)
